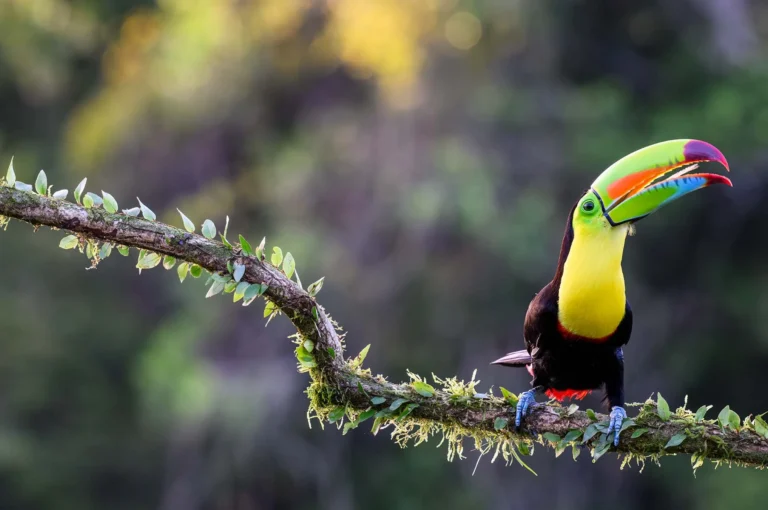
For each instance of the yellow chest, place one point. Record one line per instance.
(591, 301)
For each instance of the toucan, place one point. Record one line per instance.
(576, 325)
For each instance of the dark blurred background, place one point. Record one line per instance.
(421, 154)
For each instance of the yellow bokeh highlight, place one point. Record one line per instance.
(185, 60)
(463, 30)
(382, 38)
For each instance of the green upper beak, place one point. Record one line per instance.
(635, 186)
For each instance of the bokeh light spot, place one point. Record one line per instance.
(463, 30)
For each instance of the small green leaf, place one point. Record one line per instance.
(662, 408)
(701, 412)
(675, 440)
(79, 189)
(254, 291)
(314, 314)
(230, 286)
(378, 400)
(336, 414)
(600, 450)
(509, 396)
(269, 309)
(289, 265)
(240, 291)
(331, 352)
(260, 249)
(277, 256)
(733, 420)
(87, 201)
(589, 432)
(637, 433)
(245, 246)
(230, 267)
(10, 176)
(316, 287)
(576, 451)
(423, 389)
(182, 271)
(500, 423)
(309, 345)
(124, 250)
(196, 271)
(146, 211)
(209, 229)
(149, 260)
(215, 288)
(133, 211)
(304, 356)
(377, 424)
(363, 354)
(61, 194)
(405, 412)
(106, 250)
(90, 249)
(572, 435)
(189, 226)
(68, 242)
(572, 409)
(397, 403)
(41, 183)
(96, 199)
(761, 427)
(723, 416)
(169, 262)
(696, 462)
(552, 438)
(110, 204)
(366, 415)
(223, 235)
(238, 272)
(628, 424)
(591, 415)
(22, 186)
(603, 426)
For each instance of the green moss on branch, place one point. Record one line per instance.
(345, 394)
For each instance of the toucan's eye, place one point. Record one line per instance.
(588, 206)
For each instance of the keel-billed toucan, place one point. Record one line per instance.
(576, 325)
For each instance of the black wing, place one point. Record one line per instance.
(540, 326)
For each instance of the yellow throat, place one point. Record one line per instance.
(591, 301)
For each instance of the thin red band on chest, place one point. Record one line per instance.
(561, 395)
(567, 335)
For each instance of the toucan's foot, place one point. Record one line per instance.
(618, 415)
(523, 404)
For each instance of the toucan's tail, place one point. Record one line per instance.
(514, 359)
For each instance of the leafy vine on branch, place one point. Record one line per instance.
(341, 391)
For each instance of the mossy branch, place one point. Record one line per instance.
(342, 392)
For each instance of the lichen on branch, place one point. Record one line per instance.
(344, 393)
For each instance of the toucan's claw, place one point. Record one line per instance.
(618, 415)
(523, 404)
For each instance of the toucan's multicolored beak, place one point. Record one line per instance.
(640, 183)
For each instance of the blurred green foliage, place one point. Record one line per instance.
(421, 155)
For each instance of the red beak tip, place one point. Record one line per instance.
(718, 179)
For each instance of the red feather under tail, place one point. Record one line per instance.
(561, 395)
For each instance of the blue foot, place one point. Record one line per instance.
(526, 400)
(618, 415)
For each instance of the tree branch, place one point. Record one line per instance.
(342, 391)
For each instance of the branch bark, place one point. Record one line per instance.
(342, 384)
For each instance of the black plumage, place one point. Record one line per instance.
(566, 365)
